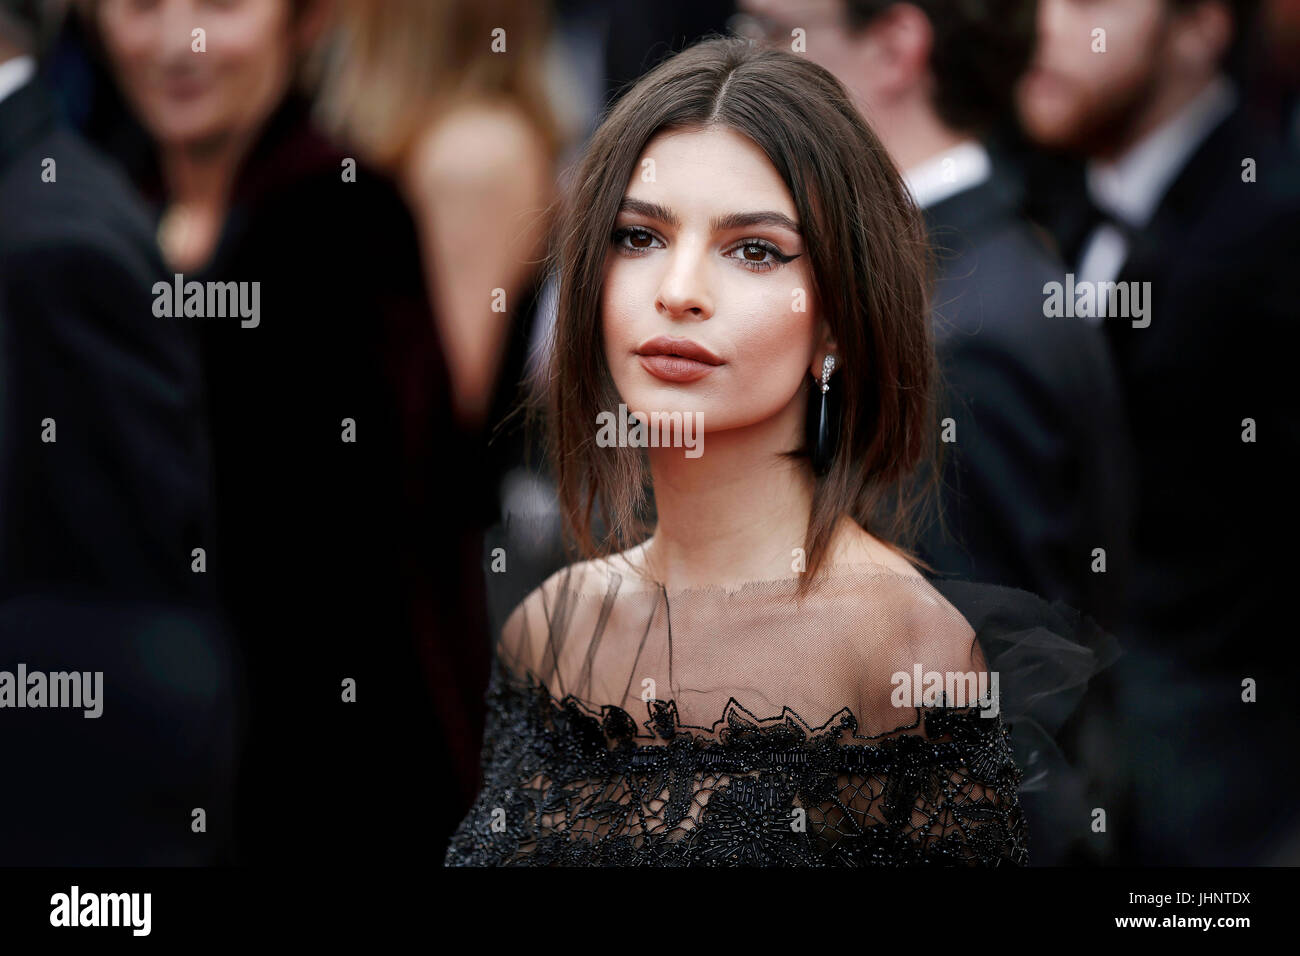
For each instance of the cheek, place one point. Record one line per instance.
(628, 317)
(773, 328)
(618, 308)
(129, 41)
(1127, 70)
(255, 54)
(773, 346)
(1097, 74)
(617, 328)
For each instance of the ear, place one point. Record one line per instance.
(1202, 35)
(825, 346)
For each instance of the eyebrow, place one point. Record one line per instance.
(732, 220)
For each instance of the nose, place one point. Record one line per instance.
(684, 289)
(176, 23)
(1050, 23)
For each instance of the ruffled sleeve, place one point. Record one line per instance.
(1053, 665)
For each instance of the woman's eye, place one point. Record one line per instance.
(761, 256)
(757, 255)
(640, 238)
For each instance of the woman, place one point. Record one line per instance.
(328, 396)
(755, 681)
(449, 99)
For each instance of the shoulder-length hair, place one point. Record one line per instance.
(870, 264)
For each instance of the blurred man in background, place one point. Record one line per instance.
(1183, 201)
(1037, 474)
(103, 477)
(1037, 471)
(343, 531)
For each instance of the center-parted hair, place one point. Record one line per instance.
(870, 266)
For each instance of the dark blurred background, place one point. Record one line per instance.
(272, 540)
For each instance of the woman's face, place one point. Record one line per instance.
(186, 96)
(698, 255)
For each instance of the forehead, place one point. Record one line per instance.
(708, 169)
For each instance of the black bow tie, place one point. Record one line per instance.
(1088, 217)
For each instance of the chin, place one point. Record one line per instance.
(1049, 124)
(1048, 112)
(184, 126)
(665, 398)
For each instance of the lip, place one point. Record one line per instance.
(682, 348)
(676, 360)
(1040, 79)
(184, 90)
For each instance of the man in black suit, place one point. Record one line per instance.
(1037, 464)
(103, 497)
(1037, 471)
(1180, 200)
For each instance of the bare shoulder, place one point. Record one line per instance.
(923, 626)
(528, 624)
(523, 637)
(477, 144)
(856, 545)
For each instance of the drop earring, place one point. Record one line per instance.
(827, 422)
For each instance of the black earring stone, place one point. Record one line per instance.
(828, 430)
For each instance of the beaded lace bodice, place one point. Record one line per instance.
(628, 726)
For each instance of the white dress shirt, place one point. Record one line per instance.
(1130, 187)
(14, 73)
(964, 166)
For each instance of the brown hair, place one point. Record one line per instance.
(870, 263)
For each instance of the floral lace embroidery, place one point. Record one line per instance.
(564, 785)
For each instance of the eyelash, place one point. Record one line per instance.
(781, 259)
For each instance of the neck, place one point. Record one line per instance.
(735, 513)
(912, 132)
(201, 174)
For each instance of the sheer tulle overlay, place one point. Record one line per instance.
(861, 723)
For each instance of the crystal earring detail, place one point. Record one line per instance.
(827, 422)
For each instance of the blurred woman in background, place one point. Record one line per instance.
(327, 409)
(448, 96)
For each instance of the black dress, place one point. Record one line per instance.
(783, 735)
(339, 559)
